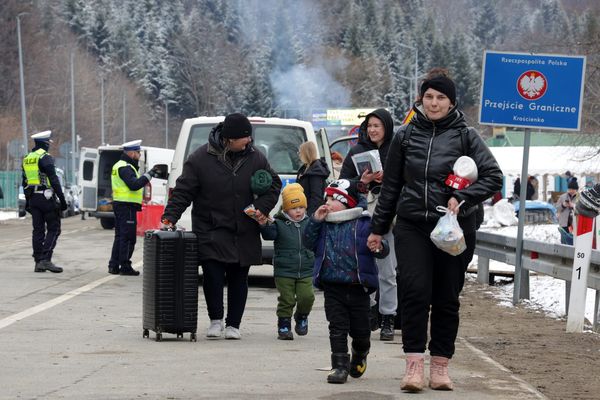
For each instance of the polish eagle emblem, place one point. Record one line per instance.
(532, 85)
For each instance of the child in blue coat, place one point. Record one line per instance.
(346, 271)
(292, 263)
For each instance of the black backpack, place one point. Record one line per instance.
(479, 212)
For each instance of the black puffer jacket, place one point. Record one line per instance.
(413, 192)
(313, 180)
(218, 184)
(348, 170)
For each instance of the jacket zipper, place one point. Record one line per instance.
(426, 173)
(299, 249)
(356, 251)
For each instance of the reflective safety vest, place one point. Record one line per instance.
(33, 175)
(121, 191)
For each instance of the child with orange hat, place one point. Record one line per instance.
(292, 263)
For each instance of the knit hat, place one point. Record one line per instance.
(260, 182)
(345, 191)
(573, 184)
(293, 196)
(236, 126)
(442, 84)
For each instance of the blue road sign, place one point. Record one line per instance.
(532, 90)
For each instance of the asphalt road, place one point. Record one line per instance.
(78, 335)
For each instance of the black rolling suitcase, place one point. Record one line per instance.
(170, 287)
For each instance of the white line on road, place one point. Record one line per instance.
(524, 385)
(57, 300)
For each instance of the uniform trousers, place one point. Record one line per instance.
(45, 216)
(125, 239)
(430, 283)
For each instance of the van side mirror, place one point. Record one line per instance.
(162, 170)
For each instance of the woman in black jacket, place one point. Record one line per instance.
(413, 186)
(376, 133)
(312, 176)
(216, 179)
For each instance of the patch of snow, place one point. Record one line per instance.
(4, 215)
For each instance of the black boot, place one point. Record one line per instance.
(387, 327)
(128, 270)
(284, 329)
(113, 270)
(340, 363)
(301, 326)
(47, 265)
(358, 362)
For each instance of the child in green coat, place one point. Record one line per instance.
(292, 263)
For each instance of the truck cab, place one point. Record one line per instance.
(277, 138)
(95, 169)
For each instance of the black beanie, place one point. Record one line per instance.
(573, 184)
(442, 84)
(236, 126)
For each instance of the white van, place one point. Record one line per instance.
(278, 138)
(95, 167)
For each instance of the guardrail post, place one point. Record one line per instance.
(483, 269)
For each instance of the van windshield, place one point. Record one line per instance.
(279, 143)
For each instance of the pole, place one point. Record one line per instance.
(416, 73)
(22, 85)
(521, 289)
(102, 142)
(166, 124)
(72, 118)
(124, 121)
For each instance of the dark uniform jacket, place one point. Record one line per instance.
(46, 166)
(127, 174)
(218, 185)
(414, 192)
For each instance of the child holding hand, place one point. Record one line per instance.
(346, 271)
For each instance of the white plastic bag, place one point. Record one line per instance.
(447, 234)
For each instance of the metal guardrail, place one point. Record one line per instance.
(551, 259)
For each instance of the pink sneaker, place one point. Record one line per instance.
(414, 376)
(438, 374)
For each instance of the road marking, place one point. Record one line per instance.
(57, 300)
(523, 384)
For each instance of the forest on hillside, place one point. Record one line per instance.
(264, 57)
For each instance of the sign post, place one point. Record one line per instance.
(583, 238)
(543, 91)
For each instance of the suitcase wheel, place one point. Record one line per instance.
(193, 337)
(158, 336)
(146, 333)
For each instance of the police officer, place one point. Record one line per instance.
(127, 187)
(44, 199)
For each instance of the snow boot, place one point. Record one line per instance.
(340, 363)
(284, 329)
(358, 362)
(387, 328)
(438, 374)
(301, 326)
(414, 376)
